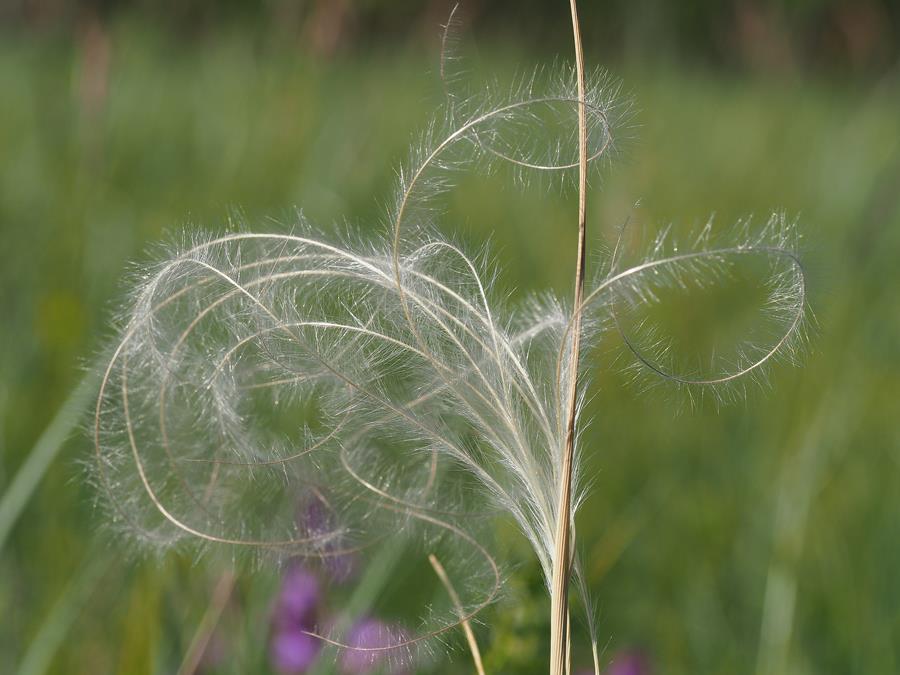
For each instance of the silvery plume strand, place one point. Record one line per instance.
(428, 406)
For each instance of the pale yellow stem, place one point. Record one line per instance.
(559, 591)
(457, 605)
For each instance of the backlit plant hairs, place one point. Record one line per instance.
(301, 395)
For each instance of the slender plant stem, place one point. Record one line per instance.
(457, 605)
(559, 604)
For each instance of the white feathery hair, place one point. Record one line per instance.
(426, 403)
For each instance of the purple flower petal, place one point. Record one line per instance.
(293, 651)
(629, 663)
(370, 648)
(298, 600)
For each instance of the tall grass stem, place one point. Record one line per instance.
(559, 601)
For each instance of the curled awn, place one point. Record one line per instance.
(378, 384)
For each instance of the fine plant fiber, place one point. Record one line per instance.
(303, 394)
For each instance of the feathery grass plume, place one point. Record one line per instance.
(425, 405)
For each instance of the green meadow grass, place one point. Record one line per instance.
(760, 538)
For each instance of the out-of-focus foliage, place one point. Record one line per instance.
(777, 35)
(759, 538)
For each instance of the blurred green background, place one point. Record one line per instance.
(760, 538)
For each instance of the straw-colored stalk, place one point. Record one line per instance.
(559, 601)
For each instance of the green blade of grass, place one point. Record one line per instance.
(42, 455)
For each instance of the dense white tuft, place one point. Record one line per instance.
(285, 392)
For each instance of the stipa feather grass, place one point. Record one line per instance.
(426, 403)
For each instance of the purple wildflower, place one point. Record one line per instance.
(292, 649)
(370, 648)
(629, 663)
(298, 600)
